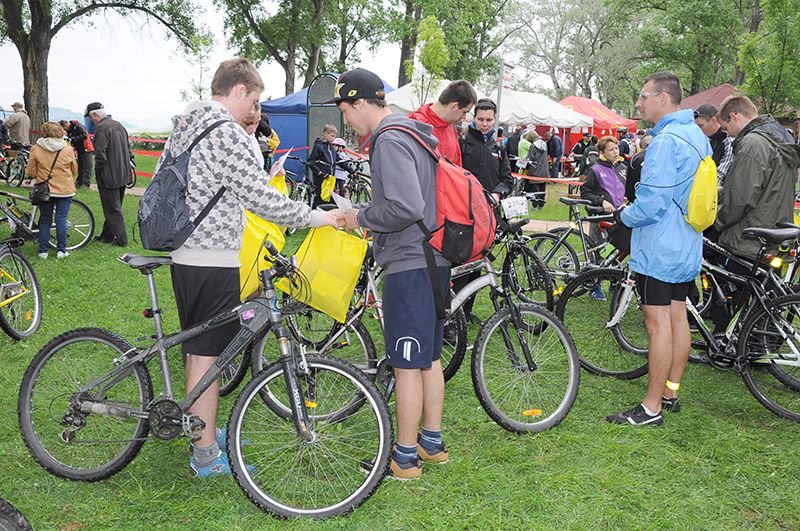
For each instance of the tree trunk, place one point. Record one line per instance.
(313, 62)
(34, 68)
(409, 42)
(755, 21)
(289, 69)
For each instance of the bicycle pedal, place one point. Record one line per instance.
(193, 426)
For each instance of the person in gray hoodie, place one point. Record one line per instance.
(404, 193)
(205, 269)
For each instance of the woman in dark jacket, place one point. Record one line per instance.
(486, 158)
(605, 180)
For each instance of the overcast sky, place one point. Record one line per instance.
(136, 72)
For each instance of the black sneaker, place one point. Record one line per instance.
(670, 404)
(636, 417)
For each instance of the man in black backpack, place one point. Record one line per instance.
(403, 193)
(205, 269)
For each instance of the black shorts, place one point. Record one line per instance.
(201, 293)
(412, 333)
(654, 292)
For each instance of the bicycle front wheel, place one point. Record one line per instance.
(80, 226)
(20, 295)
(526, 276)
(525, 395)
(66, 440)
(768, 347)
(608, 344)
(288, 477)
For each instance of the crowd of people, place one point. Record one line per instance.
(643, 178)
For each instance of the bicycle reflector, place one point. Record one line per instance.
(775, 261)
(535, 412)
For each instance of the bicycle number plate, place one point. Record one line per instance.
(515, 207)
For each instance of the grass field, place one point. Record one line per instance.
(724, 462)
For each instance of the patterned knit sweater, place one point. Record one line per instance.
(224, 158)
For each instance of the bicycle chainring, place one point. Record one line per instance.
(166, 419)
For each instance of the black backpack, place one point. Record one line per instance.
(164, 222)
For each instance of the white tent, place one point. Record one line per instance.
(537, 109)
(515, 107)
(406, 99)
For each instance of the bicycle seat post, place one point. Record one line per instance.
(154, 310)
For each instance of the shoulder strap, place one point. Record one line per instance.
(205, 132)
(214, 200)
(432, 152)
(50, 174)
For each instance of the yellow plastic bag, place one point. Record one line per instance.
(331, 261)
(253, 256)
(279, 183)
(328, 184)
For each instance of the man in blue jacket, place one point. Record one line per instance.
(665, 250)
(403, 193)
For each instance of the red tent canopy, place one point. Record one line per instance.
(604, 118)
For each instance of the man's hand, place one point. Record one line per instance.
(608, 207)
(496, 197)
(320, 218)
(350, 220)
(618, 216)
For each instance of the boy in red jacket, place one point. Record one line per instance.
(455, 101)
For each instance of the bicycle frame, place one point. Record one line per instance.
(14, 217)
(255, 316)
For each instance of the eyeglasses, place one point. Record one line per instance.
(645, 95)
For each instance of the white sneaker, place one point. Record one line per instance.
(43, 256)
(62, 254)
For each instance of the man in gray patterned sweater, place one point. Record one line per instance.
(205, 270)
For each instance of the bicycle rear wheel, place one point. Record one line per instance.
(587, 306)
(63, 439)
(288, 477)
(20, 295)
(556, 254)
(352, 343)
(16, 171)
(768, 346)
(454, 344)
(526, 276)
(80, 226)
(519, 398)
(233, 374)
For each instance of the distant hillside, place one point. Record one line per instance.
(151, 125)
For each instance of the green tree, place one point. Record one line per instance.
(290, 32)
(198, 55)
(433, 58)
(769, 58)
(355, 22)
(31, 27)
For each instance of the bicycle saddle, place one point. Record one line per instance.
(570, 201)
(774, 236)
(145, 264)
(787, 225)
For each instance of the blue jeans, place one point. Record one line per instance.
(61, 206)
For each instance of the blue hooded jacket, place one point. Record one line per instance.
(664, 246)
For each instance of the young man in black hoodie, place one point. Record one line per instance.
(705, 117)
(404, 192)
(322, 160)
